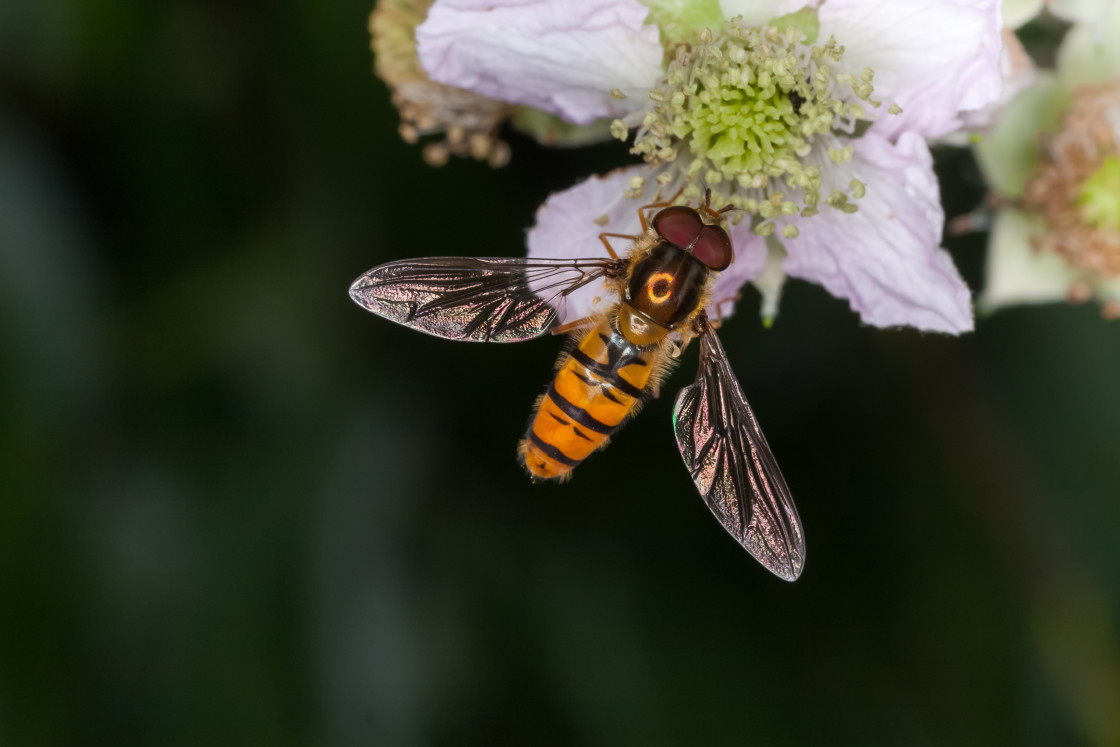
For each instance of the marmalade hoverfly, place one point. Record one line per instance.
(663, 283)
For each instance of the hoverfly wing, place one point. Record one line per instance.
(732, 465)
(476, 299)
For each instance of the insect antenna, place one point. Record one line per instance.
(708, 210)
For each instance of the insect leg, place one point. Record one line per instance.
(610, 249)
(719, 315)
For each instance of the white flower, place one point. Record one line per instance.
(1091, 14)
(1053, 162)
(809, 119)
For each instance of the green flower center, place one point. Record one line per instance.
(753, 114)
(1100, 196)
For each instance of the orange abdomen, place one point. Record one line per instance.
(595, 390)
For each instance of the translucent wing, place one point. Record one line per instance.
(732, 466)
(477, 299)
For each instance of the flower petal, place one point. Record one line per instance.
(562, 56)
(569, 223)
(933, 58)
(1089, 53)
(1019, 73)
(885, 258)
(1008, 154)
(1018, 274)
(750, 259)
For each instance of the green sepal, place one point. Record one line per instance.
(1008, 154)
(551, 130)
(681, 20)
(806, 20)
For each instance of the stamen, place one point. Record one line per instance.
(1100, 196)
(1076, 185)
(752, 113)
(469, 121)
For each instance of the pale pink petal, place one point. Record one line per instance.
(1019, 74)
(568, 227)
(933, 58)
(562, 56)
(750, 258)
(886, 257)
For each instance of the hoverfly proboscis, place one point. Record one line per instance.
(663, 282)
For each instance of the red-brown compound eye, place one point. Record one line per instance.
(679, 225)
(713, 248)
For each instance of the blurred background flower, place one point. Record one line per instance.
(238, 509)
(1052, 159)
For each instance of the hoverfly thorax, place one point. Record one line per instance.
(664, 289)
(667, 285)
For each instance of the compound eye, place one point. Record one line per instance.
(713, 248)
(679, 225)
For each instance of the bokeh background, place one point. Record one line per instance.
(237, 509)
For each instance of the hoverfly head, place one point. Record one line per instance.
(686, 228)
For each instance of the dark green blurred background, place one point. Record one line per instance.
(237, 509)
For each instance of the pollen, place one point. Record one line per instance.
(752, 112)
(1100, 196)
(468, 122)
(1076, 184)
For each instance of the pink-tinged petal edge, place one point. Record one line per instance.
(569, 223)
(886, 259)
(1019, 73)
(933, 58)
(568, 227)
(561, 56)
